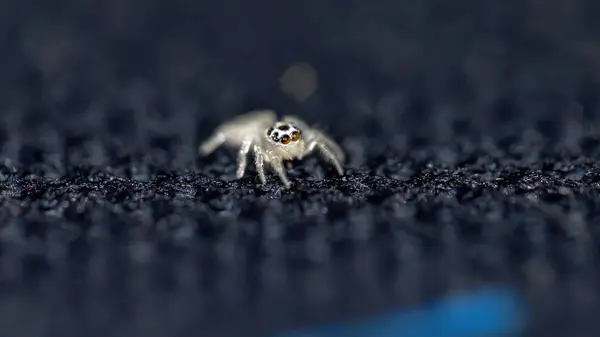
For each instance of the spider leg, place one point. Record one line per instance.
(315, 134)
(328, 154)
(243, 158)
(212, 143)
(332, 146)
(259, 163)
(311, 147)
(281, 173)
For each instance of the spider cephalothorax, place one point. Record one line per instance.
(287, 140)
(272, 142)
(284, 133)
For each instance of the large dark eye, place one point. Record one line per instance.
(295, 136)
(275, 137)
(285, 139)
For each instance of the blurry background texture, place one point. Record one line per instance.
(472, 130)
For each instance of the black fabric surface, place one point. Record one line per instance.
(471, 129)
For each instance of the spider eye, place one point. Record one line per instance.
(295, 136)
(275, 137)
(285, 139)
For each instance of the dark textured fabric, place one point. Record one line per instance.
(471, 129)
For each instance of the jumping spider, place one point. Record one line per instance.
(272, 142)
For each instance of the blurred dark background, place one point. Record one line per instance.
(471, 129)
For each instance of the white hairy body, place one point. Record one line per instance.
(272, 142)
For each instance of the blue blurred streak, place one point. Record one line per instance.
(494, 312)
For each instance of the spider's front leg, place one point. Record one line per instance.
(281, 173)
(243, 158)
(259, 163)
(327, 153)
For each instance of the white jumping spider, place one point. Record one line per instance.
(272, 142)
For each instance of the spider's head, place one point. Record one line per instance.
(286, 137)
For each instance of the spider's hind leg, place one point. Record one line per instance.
(212, 143)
